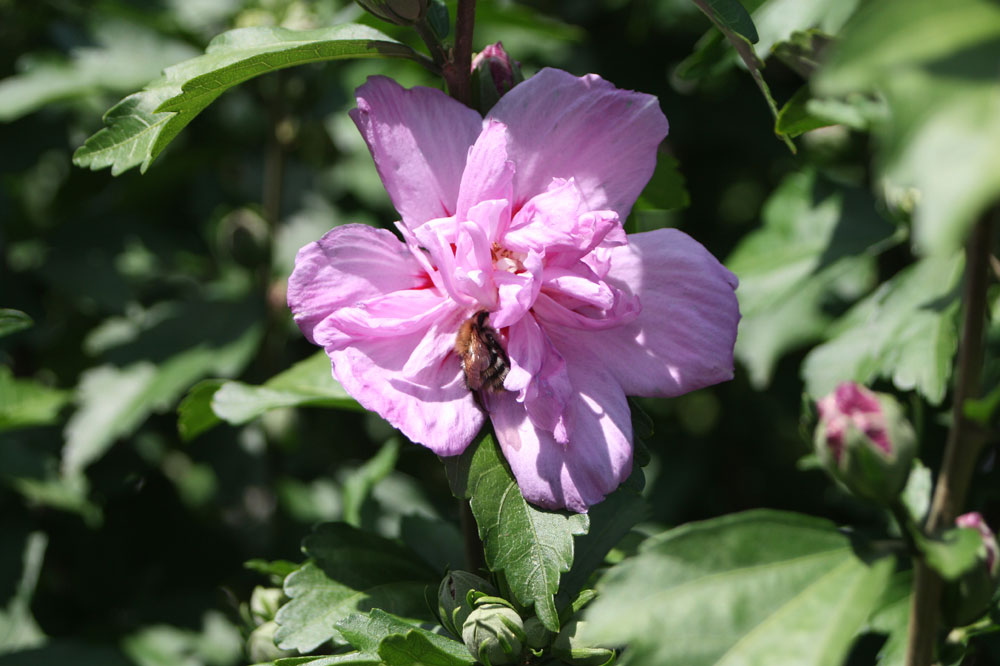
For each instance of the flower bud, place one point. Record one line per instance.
(966, 599)
(571, 649)
(454, 604)
(493, 75)
(865, 442)
(264, 602)
(400, 12)
(494, 634)
(261, 646)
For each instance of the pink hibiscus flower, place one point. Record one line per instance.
(512, 235)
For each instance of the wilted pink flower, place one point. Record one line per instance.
(518, 215)
(975, 520)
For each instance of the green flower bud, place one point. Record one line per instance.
(400, 12)
(494, 634)
(966, 600)
(571, 649)
(454, 604)
(865, 442)
(535, 634)
(264, 603)
(493, 76)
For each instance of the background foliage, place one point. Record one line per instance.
(160, 415)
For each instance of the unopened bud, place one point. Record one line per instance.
(865, 442)
(265, 601)
(493, 76)
(569, 648)
(968, 598)
(454, 605)
(494, 634)
(400, 12)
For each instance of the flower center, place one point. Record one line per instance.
(507, 260)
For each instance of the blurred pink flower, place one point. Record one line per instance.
(518, 215)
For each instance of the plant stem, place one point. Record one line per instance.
(965, 441)
(459, 70)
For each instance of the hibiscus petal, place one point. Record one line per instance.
(488, 174)
(415, 382)
(598, 455)
(349, 264)
(419, 139)
(561, 126)
(683, 338)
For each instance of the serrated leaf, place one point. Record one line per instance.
(414, 649)
(934, 64)
(350, 571)
(369, 632)
(763, 587)
(25, 402)
(308, 383)
(12, 321)
(905, 331)
(817, 245)
(531, 546)
(141, 125)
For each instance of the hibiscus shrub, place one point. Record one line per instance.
(579, 424)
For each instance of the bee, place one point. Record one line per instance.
(484, 360)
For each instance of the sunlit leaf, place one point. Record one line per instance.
(758, 587)
(817, 245)
(308, 383)
(141, 125)
(398, 643)
(18, 628)
(531, 546)
(26, 402)
(906, 331)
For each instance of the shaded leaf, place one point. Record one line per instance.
(729, 16)
(906, 331)
(308, 383)
(954, 553)
(531, 546)
(414, 649)
(892, 617)
(796, 117)
(399, 643)
(935, 64)
(359, 484)
(771, 587)
(816, 246)
(350, 571)
(125, 56)
(12, 321)
(25, 402)
(141, 125)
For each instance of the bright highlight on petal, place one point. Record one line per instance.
(515, 292)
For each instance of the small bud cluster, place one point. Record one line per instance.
(495, 633)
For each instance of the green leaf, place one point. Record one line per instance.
(308, 383)
(18, 628)
(414, 649)
(358, 485)
(816, 246)
(954, 553)
(141, 125)
(905, 331)
(892, 617)
(531, 546)
(25, 402)
(12, 321)
(762, 587)
(350, 571)
(125, 55)
(729, 16)
(934, 63)
(438, 542)
(796, 117)
(398, 642)
(665, 192)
